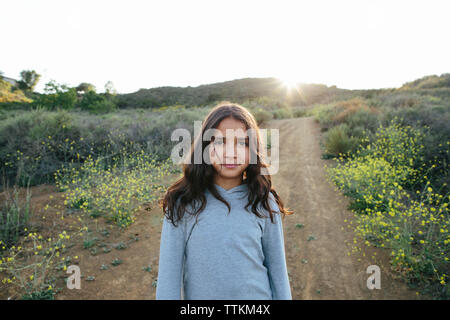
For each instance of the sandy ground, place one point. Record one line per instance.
(318, 269)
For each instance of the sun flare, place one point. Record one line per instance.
(290, 82)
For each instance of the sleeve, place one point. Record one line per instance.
(275, 259)
(171, 254)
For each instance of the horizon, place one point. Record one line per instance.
(281, 81)
(352, 45)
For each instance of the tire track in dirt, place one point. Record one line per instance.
(328, 271)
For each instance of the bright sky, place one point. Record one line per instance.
(144, 44)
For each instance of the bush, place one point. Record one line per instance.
(97, 103)
(116, 188)
(324, 114)
(298, 112)
(400, 99)
(282, 113)
(266, 103)
(40, 295)
(392, 212)
(103, 106)
(369, 118)
(338, 142)
(34, 144)
(14, 218)
(88, 99)
(30, 266)
(262, 115)
(10, 95)
(57, 97)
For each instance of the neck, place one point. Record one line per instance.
(228, 183)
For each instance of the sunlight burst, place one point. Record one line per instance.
(289, 82)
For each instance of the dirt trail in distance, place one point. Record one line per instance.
(321, 268)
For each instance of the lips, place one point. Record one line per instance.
(230, 165)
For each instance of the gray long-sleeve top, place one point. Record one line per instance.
(228, 256)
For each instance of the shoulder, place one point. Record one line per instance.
(186, 214)
(271, 226)
(273, 206)
(273, 203)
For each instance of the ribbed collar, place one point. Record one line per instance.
(233, 191)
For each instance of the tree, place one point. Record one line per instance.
(85, 87)
(212, 97)
(90, 98)
(29, 79)
(109, 88)
(57, 96)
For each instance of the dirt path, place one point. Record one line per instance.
(318, 269)
(328, 271)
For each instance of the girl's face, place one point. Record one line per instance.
(230, 155)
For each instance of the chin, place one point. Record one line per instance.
(231, 173)
(230, 176)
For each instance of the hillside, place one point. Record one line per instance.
(237, 90)
(429, 82)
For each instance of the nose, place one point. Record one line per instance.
(230, 150)
(233, 154)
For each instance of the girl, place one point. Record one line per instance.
(222, 236)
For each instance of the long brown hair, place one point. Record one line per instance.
(197, 178)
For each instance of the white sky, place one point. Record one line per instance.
(145, 44)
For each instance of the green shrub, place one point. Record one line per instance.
(298, 112)
(265, 103)
(14, 217)
(392, 212)
(369, 119)
(282, 113)
(262, 115)
(116, 189)
(33, 144)
(324, 114)
(56, 97)
(338, 141)
(40, 295)
(103, 106)
(88, 99)
(36, 143)
(97, 103)
(401, 100)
